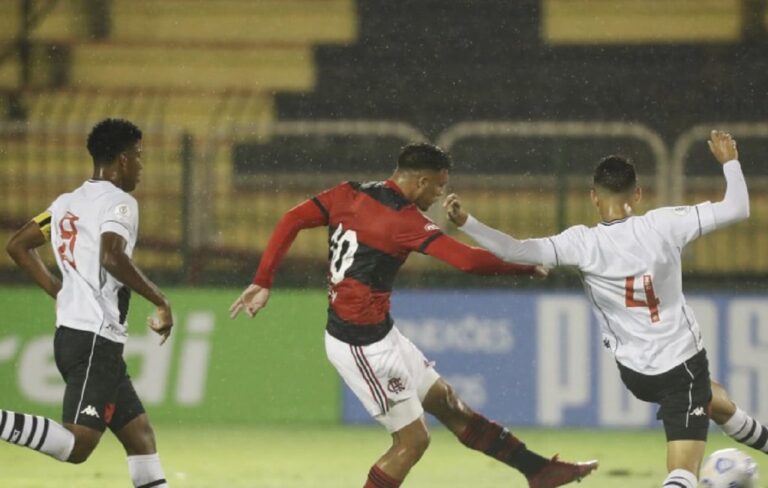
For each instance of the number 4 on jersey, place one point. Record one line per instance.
(652, 303)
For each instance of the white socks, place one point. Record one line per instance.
(680, 478)
(743, 428)
(38, 433)
(146, 471)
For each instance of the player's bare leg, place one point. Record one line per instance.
(86, 440)
(408, 445)
(480, 434)
(736, 423)
(683, 462)
(138, 440)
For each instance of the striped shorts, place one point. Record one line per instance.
(385, 375)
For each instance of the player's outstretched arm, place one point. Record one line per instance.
(504, 246)
(735, 204)
(114, 259)
(252, 299)
(22, 248)
(255, 297)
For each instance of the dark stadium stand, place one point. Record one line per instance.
(434, 63)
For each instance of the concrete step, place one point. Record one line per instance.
(200, 113)
(113, 65)
(633, 22)
(270, 21)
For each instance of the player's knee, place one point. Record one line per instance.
(417, 445)
(84, 446)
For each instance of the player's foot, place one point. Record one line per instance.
(558, 473)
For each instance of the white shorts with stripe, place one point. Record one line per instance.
(390, 377)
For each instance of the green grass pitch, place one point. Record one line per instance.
(339, 457)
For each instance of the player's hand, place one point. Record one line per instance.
(253, 299)
(452, 206)
(162, 322)
(540, 273)
(723, 146)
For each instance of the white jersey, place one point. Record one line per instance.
(632, 272)
(632, 276)
(90, 298)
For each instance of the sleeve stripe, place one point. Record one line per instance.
(429, 240)
(322, 209)
(698, 216)
(554, 247)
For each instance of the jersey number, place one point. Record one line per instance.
(652, 303)
(68, 233)
(343, 247)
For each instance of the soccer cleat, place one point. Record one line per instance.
(558, 473)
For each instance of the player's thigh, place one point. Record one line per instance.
(684, 406)
(129, 421)
(379, 377)
(127, 405)
(421, 369)
(92, 368)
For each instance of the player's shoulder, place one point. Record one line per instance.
(578, 230)
(382, 193)
(669, 213)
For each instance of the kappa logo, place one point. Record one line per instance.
(15, 436)
(698, 412)
(91, 411)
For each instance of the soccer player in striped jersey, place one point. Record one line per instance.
(631, 269)
(372, 228)
(92, 231)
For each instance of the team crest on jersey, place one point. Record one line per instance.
(431, 226)
(682, 210)
(122, 211)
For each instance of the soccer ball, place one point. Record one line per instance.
(728, 468)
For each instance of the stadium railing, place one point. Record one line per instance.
(205, 219)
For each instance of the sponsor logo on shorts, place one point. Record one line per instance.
(698, 412)
(90, 411)
(395, 385)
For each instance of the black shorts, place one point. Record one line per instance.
(98, 392)
(683, 393)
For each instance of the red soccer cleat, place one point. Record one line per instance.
(558, 473)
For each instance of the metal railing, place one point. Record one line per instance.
(198, 222)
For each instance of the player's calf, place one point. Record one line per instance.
(39, 433)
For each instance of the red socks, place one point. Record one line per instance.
(379, 479)
(497, 442)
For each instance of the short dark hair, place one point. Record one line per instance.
(109, 138)
(423, 156)
(615, 174)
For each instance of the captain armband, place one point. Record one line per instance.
(44, 222)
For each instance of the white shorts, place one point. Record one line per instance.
(390, 377)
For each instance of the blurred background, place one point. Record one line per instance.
(250, 106)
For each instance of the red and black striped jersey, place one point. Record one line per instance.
(372, 228)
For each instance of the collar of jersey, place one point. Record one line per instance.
(616, 221)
